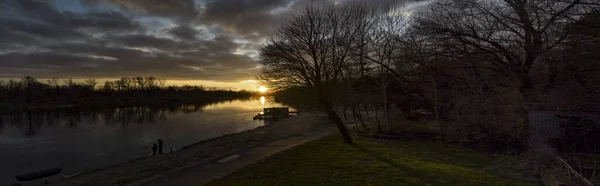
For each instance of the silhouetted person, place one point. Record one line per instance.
(160, 146)
(154, 149)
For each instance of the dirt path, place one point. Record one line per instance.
(143, 170)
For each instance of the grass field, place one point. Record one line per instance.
(327, 161)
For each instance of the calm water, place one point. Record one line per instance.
(76, 141)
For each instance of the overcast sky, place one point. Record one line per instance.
(184, 40)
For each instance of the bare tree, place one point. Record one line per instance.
(313, 50)
(91, 83)
(29, 83)
(109, 86)
(53, 82)
(161, 82)
(514, 35)
(514, 41)
(150, 82)
(139, 81)
(125, 83)
(390, 22)
(70, 83)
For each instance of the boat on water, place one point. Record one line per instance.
(274, 113)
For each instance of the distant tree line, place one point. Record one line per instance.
(30, 93)
(134, 83)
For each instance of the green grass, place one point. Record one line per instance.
(327, 161)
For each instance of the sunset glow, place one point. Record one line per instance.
(262, 89)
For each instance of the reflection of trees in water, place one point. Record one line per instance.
(34, 125)
(30, 123)
(139, 115)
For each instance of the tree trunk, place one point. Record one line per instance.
(386, 114)
(388, 118)
(527, 91)
(333, 117)
(377, 119)
(345, 116)
(359, 114)
(358, 118)
(435, 106)
(362, 121)
(29, 93)
(354, 117)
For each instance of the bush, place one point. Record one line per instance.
(486, 121)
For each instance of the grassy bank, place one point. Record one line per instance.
(371, 162)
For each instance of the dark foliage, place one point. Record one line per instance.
(579, 135)
(298, 97)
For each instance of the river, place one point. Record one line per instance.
(79, 141)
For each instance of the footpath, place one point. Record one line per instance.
(205, 173)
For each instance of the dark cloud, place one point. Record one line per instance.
(31, 8)
(101, 50)
(221, 43)
(249, 18)
(41, 40)
(184, 32)
(176, 39)
(49, 61)
(147, 41)
(30, 21)
(115, 62)
(101, 21)
(183, 9)
(38, 29)
(126, 55)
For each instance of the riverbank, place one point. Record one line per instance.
(205, 173)
(370, 161)
(202, 152)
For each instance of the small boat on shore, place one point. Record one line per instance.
(38, 174)
(274, 113)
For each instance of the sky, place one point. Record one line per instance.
(208, 42)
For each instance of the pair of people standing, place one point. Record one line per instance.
(158, 147)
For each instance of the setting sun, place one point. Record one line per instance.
(262, 89)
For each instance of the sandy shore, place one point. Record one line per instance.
(202, 152)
